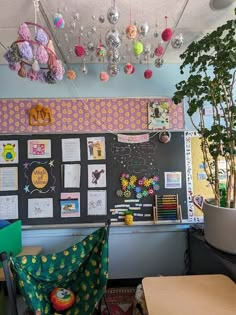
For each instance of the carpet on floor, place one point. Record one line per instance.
(120, 301)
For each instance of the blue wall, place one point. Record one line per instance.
(135, 251)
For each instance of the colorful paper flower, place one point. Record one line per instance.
(138, 189)
(133, 178)
(124, 182)
(127, 193)
(144, 193)
(146, 183)
(139, 196)
(119, 193)
(151, 191)
(140, 182)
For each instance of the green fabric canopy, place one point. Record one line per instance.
(82, 268)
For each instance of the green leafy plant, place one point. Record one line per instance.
(211, 64)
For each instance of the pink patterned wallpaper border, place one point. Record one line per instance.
(85, 115)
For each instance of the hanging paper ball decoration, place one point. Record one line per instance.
(138, 48)
(159, 50)
(159, 62)
(104, 76)
(147, 74)
(113, 15)
(79, 51)
(167, 34)
(71, 75)
(101, 50)
(128, 68)
(24, 32)
(177, 41)
(131, 32)
(58, 20)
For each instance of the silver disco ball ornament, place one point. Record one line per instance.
(101, 19)
(91, 46)
(177, 41)
(113, 69)
(113, 56)
(84, 69)
(113, 15)
(159, 62)
(143, 29)
(113, 39)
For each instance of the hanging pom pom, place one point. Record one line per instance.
(41, 54)
(50, 78)
(138, 48)
(58, 20)
(12, 55)
(167, 34)
(24, 32)
(41, 76)
(22, 71)
(131, 32)
(32, 75)
(104, 76)
(147, 74)
(159, 51)
(58, 70)
(26, 51)
(71, 75)
(101, 51)
(79, 51)
(15, 66)
(41, 37)
(128, 68)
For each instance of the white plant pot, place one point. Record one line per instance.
(220, 227)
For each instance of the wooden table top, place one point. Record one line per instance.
(26, 250)
(195, 295)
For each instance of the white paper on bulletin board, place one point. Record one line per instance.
(9, 207)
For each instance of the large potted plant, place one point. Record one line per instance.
(211, 66)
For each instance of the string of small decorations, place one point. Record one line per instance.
(136, 34)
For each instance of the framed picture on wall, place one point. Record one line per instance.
(158, 115)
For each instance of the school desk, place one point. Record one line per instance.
(26, 250)
(195, 295)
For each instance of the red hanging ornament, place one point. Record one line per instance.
(167, 33)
